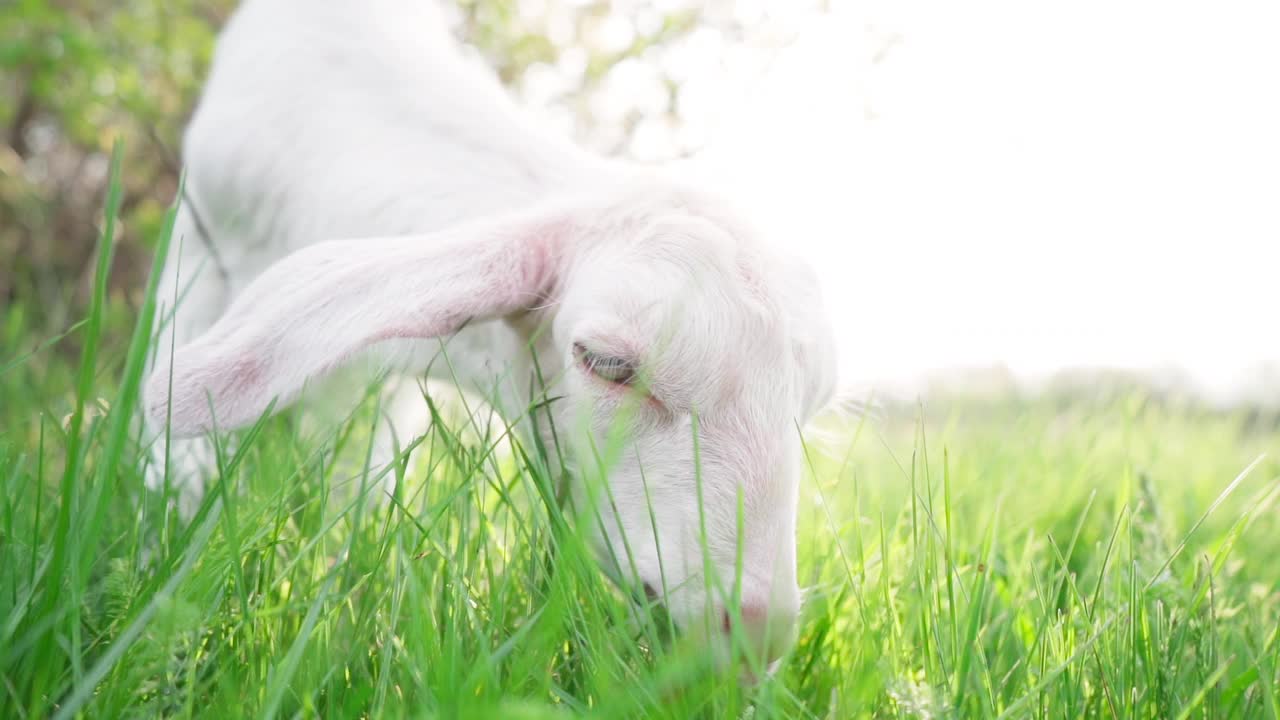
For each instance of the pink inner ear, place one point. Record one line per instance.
(435, 328)
(537, 271)
(246, 374)
(225, 385)
(319, 307)
(394, 333)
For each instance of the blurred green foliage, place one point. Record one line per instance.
(75, 75)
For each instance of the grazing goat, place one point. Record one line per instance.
(636, 298)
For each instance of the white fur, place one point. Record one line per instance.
(337, 119)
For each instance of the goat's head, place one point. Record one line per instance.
(686, 357)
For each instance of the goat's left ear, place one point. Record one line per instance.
(313, 310)
(814, 338)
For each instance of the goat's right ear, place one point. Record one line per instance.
(308, 313)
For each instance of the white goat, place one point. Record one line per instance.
(351, 119)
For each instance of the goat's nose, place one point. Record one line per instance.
(767, 632)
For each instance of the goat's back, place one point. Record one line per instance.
(326, 119)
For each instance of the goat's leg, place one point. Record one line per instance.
(422, 368)
(192, 293)
(403, 417)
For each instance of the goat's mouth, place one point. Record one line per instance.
(651, 594)
(630, 585)
(657, 625)
(645, 598)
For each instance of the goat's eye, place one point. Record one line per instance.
(614, 369)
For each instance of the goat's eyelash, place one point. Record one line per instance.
(619, 371)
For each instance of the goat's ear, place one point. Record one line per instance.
(311, 311)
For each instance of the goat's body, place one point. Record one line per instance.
(360, 123)
(386, 129)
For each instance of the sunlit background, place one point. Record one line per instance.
(996, 194)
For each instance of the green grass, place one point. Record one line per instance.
(1016, 558)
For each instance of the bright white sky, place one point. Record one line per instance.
(1040, 185)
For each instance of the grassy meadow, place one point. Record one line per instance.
(1111, 556)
